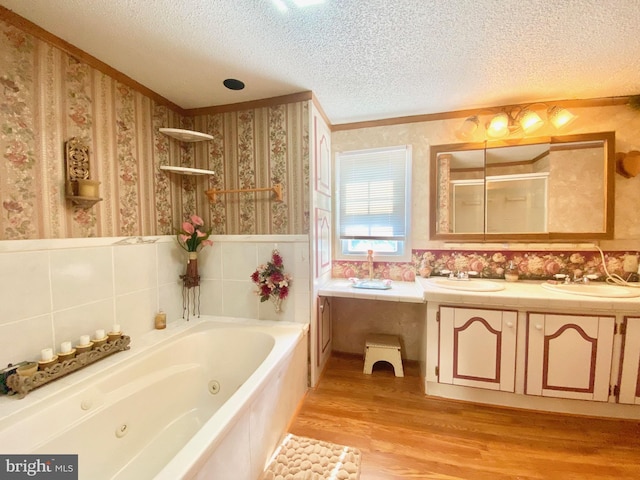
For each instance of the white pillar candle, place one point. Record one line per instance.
(47, 354)
(65, 347)
(115, 328)
(99, 334)
(84, 340)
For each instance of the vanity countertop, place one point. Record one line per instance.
(522, 294)
(528, 294)
(408, 292)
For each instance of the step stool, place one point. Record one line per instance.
(383, 348)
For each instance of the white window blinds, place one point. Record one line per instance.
(374, 193)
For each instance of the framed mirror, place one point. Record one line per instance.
(532, 189)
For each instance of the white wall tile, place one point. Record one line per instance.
(239, 260)
(172, 261)
(211, 297)
(57, 290)
(239, 299)
(170, 300)
(84, 319)
(135, 268)
(210, 262)
(25, 339)
(135, 312)
(81, 275)
(24, 285)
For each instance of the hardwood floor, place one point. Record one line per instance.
(404, 434)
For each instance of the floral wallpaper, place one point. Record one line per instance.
(531, 265)
(49, 96)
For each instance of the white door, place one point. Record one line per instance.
(569, 356)
(478, 348)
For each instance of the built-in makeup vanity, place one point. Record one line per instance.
(573, 350)
(528, 346)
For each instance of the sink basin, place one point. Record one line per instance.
(372, 284)
(467, 285)
(594, 290)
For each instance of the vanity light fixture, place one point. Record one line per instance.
(515, 119)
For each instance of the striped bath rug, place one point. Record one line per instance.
(301, 458)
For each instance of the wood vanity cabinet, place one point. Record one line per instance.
(630, 371)
(477, 347)
(569, 356)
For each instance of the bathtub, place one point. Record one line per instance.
(209, 398)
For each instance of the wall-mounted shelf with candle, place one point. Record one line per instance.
(80, 190)
(276, 189)
(186, 136)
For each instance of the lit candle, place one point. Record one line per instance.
(65, 347)
(115, 328)
(99, 334)
(47, 354)
(84, 340)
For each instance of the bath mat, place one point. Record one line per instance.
(301, 458)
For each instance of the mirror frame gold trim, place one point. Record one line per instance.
(609, 189)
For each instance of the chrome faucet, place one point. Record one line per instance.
(370, 263)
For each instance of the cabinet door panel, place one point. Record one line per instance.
(630, 375)
(477, 348)
(569, 356)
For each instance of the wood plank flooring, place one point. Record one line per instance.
(404, 434)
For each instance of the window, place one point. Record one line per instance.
(373, 202)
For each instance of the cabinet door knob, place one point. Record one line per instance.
(510, 324)
(538, 327)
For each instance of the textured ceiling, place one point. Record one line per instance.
(364, 59)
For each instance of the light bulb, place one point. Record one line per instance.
(468, 128)
(499, 126)
(560, 117)
(529, 121)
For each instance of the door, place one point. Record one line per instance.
(478, 348)
(569, 356)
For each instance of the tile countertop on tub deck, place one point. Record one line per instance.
(408, 292)
(528, 294)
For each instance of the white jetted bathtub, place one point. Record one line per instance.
(209, 399)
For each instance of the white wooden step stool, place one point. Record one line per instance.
(383, 348)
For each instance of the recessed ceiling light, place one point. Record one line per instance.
(233, 84)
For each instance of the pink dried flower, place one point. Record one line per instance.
(193, 236)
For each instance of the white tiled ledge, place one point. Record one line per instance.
(408, 292)
(527, 294)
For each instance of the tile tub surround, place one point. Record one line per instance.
(56, 290)
(531, 264)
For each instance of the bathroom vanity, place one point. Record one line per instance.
(528, 346)
(573, 349)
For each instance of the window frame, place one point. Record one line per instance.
(406, 255)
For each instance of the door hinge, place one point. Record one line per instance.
(437, 316)
(614, 390)
(620, 328)
(437, 371)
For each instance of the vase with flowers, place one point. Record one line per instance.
(192, 238)
(273, 283)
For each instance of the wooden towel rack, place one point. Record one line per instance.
(277, 189)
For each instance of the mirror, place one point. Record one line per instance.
(532, 189)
